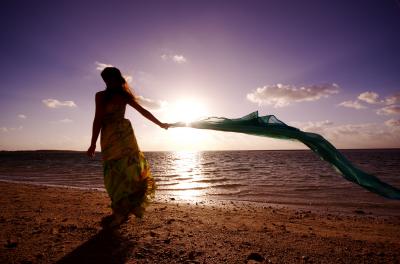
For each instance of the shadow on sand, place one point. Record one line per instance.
(107, 246)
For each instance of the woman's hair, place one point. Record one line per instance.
(112, 74)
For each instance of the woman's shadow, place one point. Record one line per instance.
(107, 246)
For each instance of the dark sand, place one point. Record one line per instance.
(47, 224)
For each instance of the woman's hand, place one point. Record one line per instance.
(164, 125)
(90, 152)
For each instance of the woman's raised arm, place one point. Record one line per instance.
(132, 102)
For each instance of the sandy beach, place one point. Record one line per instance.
(49, 224)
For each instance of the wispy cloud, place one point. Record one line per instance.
(363, 135)
(392, 123)
(316, 127)
(318, 124)
(100, 66)
(150, 103)
(62, 121)
(177, 58)
(389, 110)
(393, 99)
(22, 116)
(369, 97)
(280, 95)
(352, 104)
(65, 120)
(372, 98)
(10, 129)
(54, 103)
(352, 129)
(128, 78)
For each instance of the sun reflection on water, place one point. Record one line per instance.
(188, 168)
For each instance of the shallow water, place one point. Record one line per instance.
(284, 177)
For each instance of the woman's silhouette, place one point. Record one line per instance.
(127, 176)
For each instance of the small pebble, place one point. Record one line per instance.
(11, 244)
(255, 256)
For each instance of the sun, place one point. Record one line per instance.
(187, 110)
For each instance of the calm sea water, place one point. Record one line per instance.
(283, 177)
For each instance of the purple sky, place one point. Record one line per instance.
(330, 67)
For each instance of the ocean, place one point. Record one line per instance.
(290, 177)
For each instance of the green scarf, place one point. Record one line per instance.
(270, 126)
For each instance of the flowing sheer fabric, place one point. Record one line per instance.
(270, 126)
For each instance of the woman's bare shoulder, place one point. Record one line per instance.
(100, 95)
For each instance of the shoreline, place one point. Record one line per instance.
(321, 207)
(50, 224)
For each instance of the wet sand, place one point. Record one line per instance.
(49, 224)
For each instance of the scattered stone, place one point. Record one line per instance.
(139, 255)
(172, 199)
(39, 256)
(169, 221)
(145, 249)
(192, 255)
(255, 256)
(359, 212)
(74, 227)
(11, 244)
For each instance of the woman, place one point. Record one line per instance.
(127, 176)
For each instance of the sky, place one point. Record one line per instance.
(329, 67)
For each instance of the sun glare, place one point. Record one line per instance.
(187, 110)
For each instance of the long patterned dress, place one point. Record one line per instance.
(127, 176)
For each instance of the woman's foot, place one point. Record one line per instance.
(105, 221)
(118, 220)
(114, 220)
(138, 211)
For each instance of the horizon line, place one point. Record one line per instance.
(305, 149)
